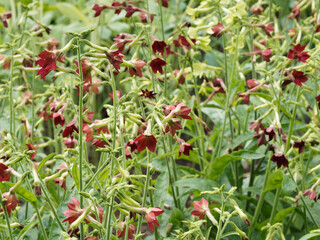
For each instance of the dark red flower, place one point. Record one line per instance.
(98, 9)
(185, 148)
(52, 44)
(261, 138)
(172, 126)
(158, 46)
(122, 232)
(4, 173)
(133, 145)
(256, 9)
(299, 77)
(157, 64)
(137, 65)
(147, 94)
(311, 193)
(144, 18)
(70, 142)
(300, 145)
(181, 76)
(318, 100)
(11, 201)
(295, 13)
(62, 182)
(74, 211)
(184, 42)
(201, 207)
(121, 40)
(4, 18)
(298, 54)
(245, 97)
(131, 10)
(115, 58)
(58, 118)
(28, 62)
(164, 3)
(257, 126)
(70, 128)
(86, 70)
(151, 215)
(146, 141)
(89, 131)
(280, 159)
(266, 54)
(180, 110)
(99, 143)
(118, 93)
(268, 28)
(47, 62)
(217, 30)
(30, 147)
(271, 132)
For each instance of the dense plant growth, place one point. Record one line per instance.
(165, 119)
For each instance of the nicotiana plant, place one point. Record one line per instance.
(155, 119)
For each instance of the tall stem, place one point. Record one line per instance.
(260, 202)
(228, 94)
(80, 133)
(165, 54)
(6, 216)
(11, 94)
(41, 224)
(145, 190)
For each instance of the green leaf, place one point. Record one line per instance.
(71, 12)
(216, 168)
(75, 174)
(176, 217)
(275, 181)
(24, 193)
(160, 194)
(240, 139)
(310, 236)
(45, 160)
(283, 214)
(248, 154)
(196, 183)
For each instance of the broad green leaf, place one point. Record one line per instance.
(24, 193)
(176, 217)
(241, 139)
(160, 194)
(75, 174)
(248, 154)
(216, 168)
(283, 214)
(196, 183)
(45, 160)
(275, 181)
(72, 12)
(310, 236)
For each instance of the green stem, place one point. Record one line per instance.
(176, 201)
(6, 216)
(145, 191)
(260, 202)
(11, 94)
(315, 24)
(114, 139)
(41, 223)
(228, 95)
(198, 128)
(219, 230)
(80, 133)
(165, 54)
